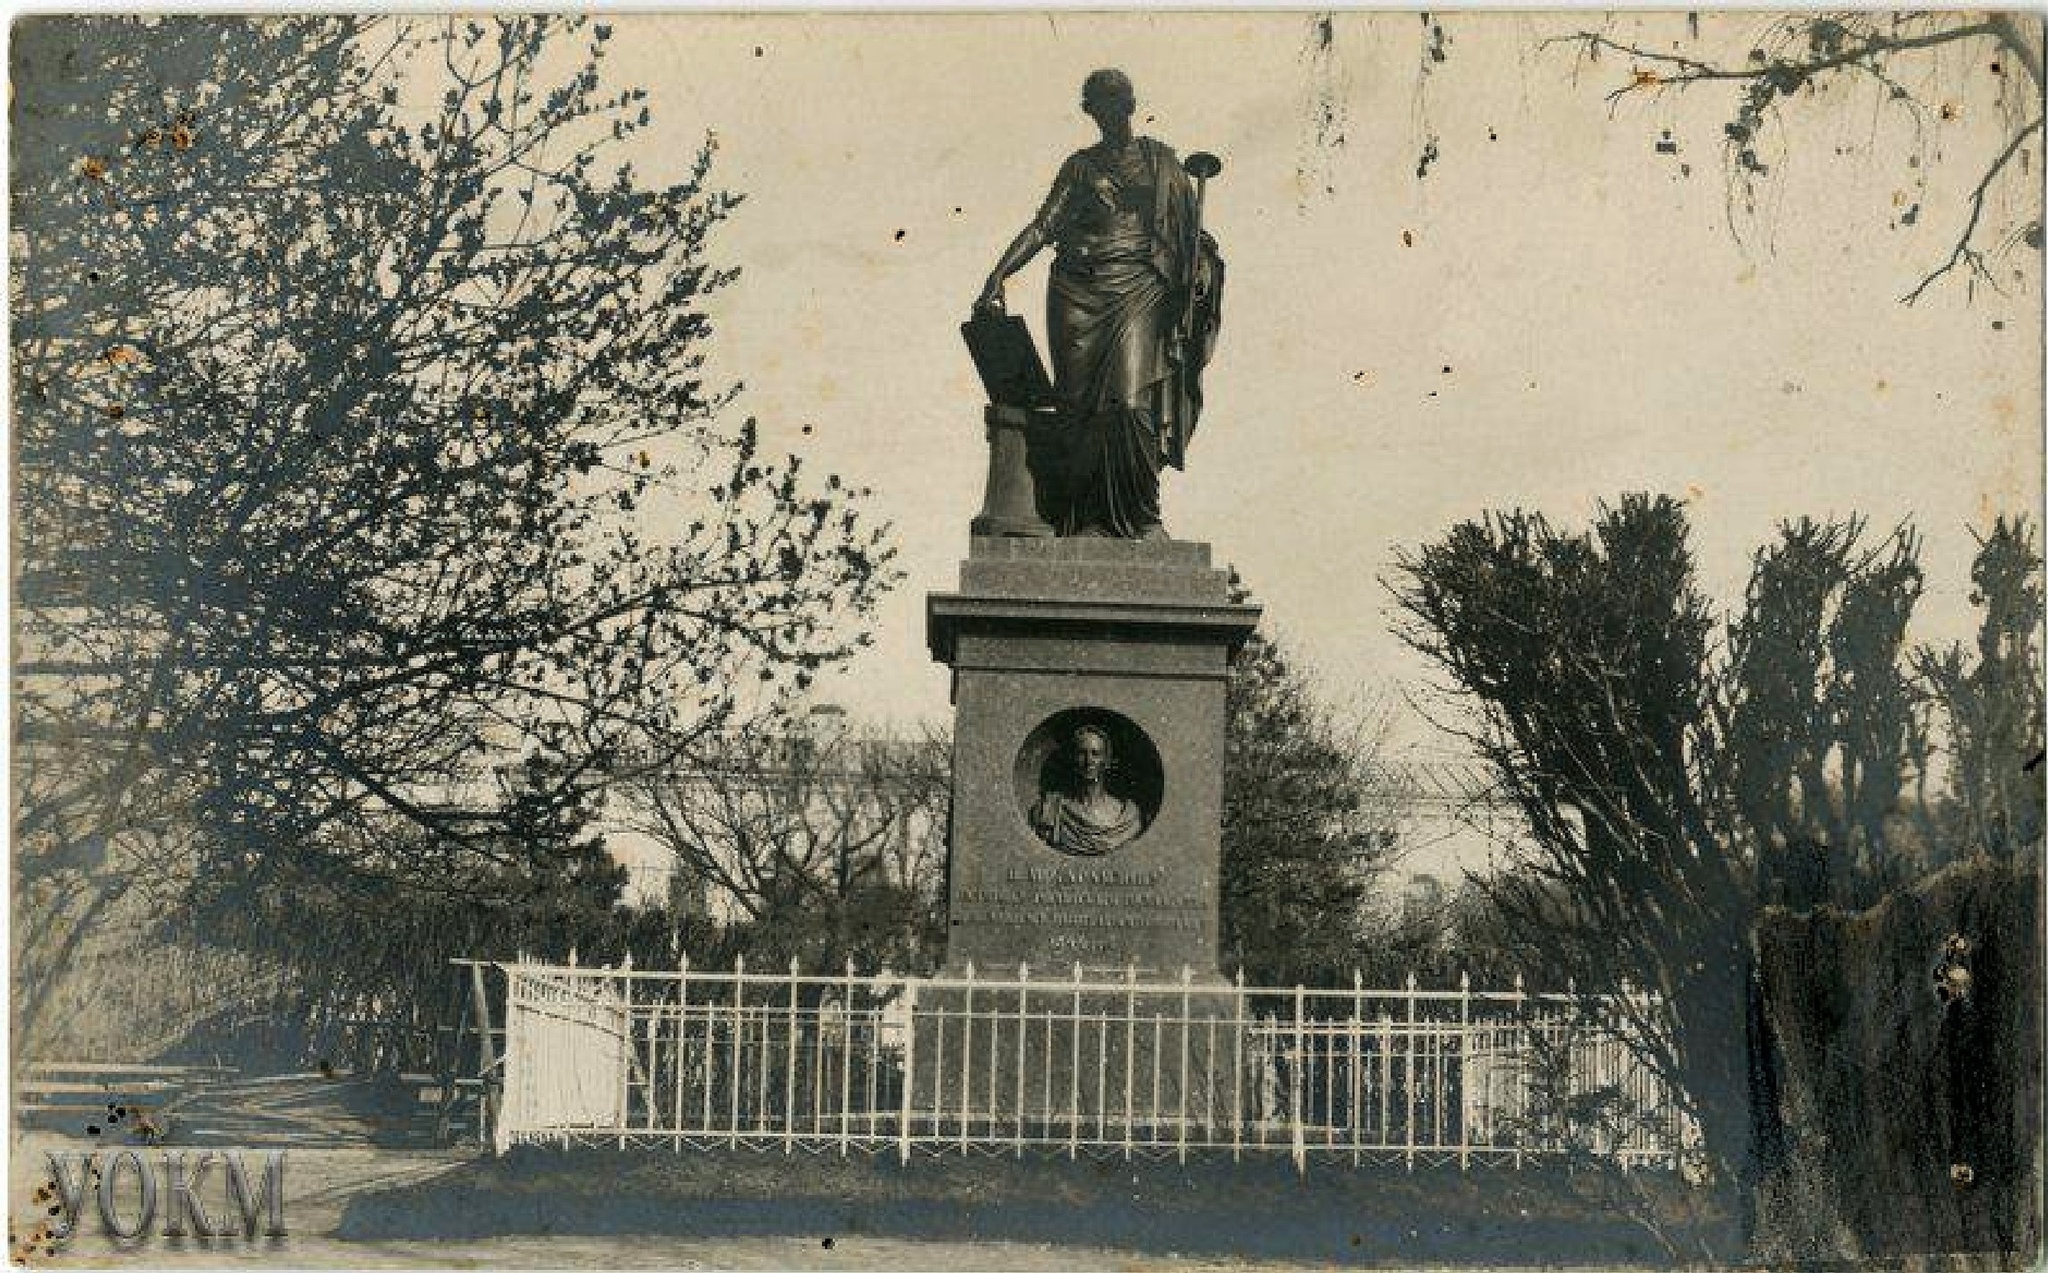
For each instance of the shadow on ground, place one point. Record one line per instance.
(1251, 1210)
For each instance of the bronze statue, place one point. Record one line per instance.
(1133, 304)
(1090, 822)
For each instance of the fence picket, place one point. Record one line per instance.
(1521, 1024)
(682, 1038)
(873, 1102)
(1074, 1075)
(909, 1068)
(1046, 1119)
(1102, 1079)
(966, 1055)
(1187, 975)
(846, 1059)
(1409, 1051)
(761, 1063)
(1237, 1067)
(625, 1106)
(1297, 1139)
(819, 1026)
(1464, 1071)
(739, 993)
(1023, 1047)
(1384, 1137)
(1130, 1048)
(995, 1056)
(1356, 1121)
(938, 1102)
(1209, 1082)
(1152, 1106)
(789, 1071)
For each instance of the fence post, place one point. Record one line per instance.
(1561, 1034)
(626, 1058)
(1130, 1047)
(487, 1059)
(518, 1096)
(1299, 1147)
(1209, 1079)
(1074, 1074)
(1152, 1110)
(739, 1055)
(1464, 1071)
(1357, 1019)
(909, 1067)
(966, 1056)
(1521, 1099)
(821, 1057)
(653, 1075)
(682, 1042)
(1187, 976)
(1045, 1118)
(1386, 1136)
(1237, 1066)
(846, 1058)
(995, 1059)
(789, 1068)
(1023, 1046)
(871, 1107)
(1408, 1074)
(1102, 1074)
(1612, 1072)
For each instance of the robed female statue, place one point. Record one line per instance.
(1133, 305)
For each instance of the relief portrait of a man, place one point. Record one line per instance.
(1089, 821)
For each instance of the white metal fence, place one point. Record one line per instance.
(1077, 1064)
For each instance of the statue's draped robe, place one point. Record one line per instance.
(1129, 384)
(1066, 823)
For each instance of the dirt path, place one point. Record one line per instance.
(320, 1181)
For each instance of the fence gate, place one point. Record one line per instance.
(567, 1042)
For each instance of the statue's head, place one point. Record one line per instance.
(1108, 95)
(1092, 753)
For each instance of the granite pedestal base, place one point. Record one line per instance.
(1132, 639)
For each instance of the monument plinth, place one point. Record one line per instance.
(1089, 677)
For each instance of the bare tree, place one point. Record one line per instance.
(1897, 55)
(823, 841)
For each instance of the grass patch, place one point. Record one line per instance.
(1253, 1209)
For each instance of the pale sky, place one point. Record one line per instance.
(1552, 315)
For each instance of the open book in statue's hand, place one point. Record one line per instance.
(1011, 371)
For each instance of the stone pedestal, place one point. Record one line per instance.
(1132, 639)
(1021, 473)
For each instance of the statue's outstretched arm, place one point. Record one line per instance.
(1032, 237)
(1015, 257)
